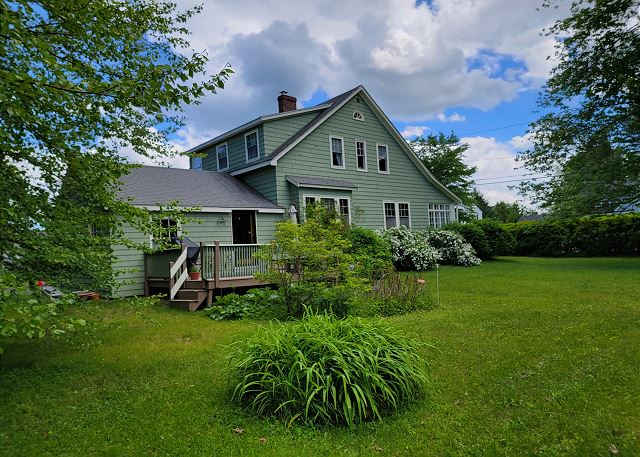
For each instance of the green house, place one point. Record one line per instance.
(343, 153)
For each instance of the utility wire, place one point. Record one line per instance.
(495, 128)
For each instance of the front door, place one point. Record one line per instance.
(244, 227)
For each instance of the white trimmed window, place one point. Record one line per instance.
(361, 155)
(337, 152)
(358, 116)
(251, 146)
(383, 158)
(222, 156)
(339, 205)
(439, 214)
(397, 214)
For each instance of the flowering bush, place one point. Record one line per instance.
(411, 250)
(452, 247)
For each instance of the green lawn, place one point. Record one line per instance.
(530, 356)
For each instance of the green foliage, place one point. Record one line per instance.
(507, 212)
(394, 294)
(256, 303)
(444, 158)
(80, 83)
(488, 237)
(371, 252)
(25, 312)
(585, 236)
(322, 370)
(312, 252)
(589, 144)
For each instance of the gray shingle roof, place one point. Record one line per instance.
(151, 186)
(308, 181)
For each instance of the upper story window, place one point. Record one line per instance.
(397, 214)
(337, 152)
(439, 214)
(358, 116)
(361, 155)
(223, 157)
(383, 158)
(196, 163)
(251, 146)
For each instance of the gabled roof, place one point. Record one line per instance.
(330, 107)
(211, 191)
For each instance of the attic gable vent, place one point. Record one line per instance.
(358, 116)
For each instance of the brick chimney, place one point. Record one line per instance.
(286, 102)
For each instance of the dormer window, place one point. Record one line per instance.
(358, 116)
(337, 152)
(251, 146)
(383, 158)
(222, 156)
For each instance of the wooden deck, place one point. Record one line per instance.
(221, 267)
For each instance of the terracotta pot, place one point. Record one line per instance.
(194, 275)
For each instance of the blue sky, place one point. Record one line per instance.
(473, 67)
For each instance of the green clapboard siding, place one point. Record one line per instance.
(404, 183)
(278, 131)
(236, 151)
(130, 262)
(263, 180)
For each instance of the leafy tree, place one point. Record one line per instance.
(444, 157)
(80, 82)
(589, 143)
(481, 202)
(507, 212)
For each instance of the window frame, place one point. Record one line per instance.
(378, 145)
(336, 202)
(344, 161)
(396, 209)
(438, 212)
(357, 113)
(366, 165)
(226, 150)
(246, 149)
(152, 239)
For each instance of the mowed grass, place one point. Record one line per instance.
(529, 356)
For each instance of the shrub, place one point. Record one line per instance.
(256, 303)
(323, 370)
(488, 237)
(371, 252)
(410, 250)
(585, 236)
(475, 236)
(452, 247)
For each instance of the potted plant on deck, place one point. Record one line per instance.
(194, 273)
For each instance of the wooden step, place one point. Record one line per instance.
(188, 299)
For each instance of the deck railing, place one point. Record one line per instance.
(231, 261)
(177, 273)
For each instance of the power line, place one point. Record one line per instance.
(496, 128)
(508, 176)
(514, 180)
(494, 158)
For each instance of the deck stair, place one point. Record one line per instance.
(189, 299)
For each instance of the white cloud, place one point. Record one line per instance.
(413, 59)
(455, 117)
(413, 131)
(522, 142)
(496, 163)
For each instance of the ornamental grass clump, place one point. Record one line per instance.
(327, 371)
